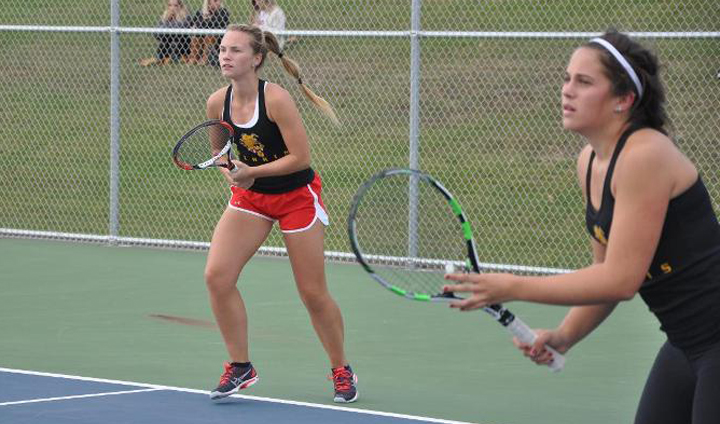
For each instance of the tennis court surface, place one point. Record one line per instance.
(39, 398)
(81, 342)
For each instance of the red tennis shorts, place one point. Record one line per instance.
(297, 210)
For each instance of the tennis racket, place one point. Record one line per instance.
(407, 231)
(205, 146)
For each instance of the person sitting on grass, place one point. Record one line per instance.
(269, 16)
(171, 47)
(204, 48)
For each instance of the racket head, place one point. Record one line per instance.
(407, 231)
(207, 145)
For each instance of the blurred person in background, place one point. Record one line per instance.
(171, 47)
(204, 48)
(270, 17)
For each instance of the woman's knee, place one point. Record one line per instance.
(316, 298)
(219, 281)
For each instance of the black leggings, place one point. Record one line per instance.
(682, 389)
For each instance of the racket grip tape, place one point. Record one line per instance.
(526, 335)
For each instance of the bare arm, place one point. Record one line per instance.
(580, 320)
(577, 324)
(644, 181)
(645, 177)
(213, 110)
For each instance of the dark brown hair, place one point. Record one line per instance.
(648, 110)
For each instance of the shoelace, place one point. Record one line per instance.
(342, 379)
(225, 377)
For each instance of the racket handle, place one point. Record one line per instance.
(525, 334)
(231, 166)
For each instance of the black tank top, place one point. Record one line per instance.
(260, 141)
(682, 286)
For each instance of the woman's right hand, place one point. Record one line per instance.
(240, 176)
(537, 352)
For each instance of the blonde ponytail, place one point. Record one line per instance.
(265, 41)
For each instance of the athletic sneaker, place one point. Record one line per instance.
(345, 382)
(233, 380)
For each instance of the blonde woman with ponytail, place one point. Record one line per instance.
(273, 182)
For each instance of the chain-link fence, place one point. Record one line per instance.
(466, 90)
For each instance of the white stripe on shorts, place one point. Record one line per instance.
(319, 214)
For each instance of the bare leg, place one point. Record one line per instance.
(236, 238)
(308, 263)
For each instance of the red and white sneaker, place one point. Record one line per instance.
(345, 382)
(233, 380)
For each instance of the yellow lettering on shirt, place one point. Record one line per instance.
(251, 142)
(600, 235)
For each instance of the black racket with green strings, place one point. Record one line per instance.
(205, 146)
(407, 231)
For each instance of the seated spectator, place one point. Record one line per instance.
(269, 17)
(171, 47)
(204, 48)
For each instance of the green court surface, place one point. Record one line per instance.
(85, 309)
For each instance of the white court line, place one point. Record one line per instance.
(256, 398)
(52, 399)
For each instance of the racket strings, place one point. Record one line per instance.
(203, 144)
(408, 233)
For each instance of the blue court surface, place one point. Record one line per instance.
(39, 398)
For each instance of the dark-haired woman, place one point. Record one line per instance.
(653, 231)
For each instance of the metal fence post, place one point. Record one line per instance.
(414, 155)
(114, 212)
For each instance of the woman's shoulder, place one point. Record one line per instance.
(215, 102)
(647, 133)
(584, 156)
(585, 152)
(278, 101)
(275, 92)
(648, 144)
(652, 156)
(582, 163)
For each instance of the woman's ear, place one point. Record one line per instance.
(625, 102)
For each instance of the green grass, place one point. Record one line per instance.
(489, 116)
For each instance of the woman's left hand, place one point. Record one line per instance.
(484, 289)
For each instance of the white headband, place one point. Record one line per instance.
(625, 64)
